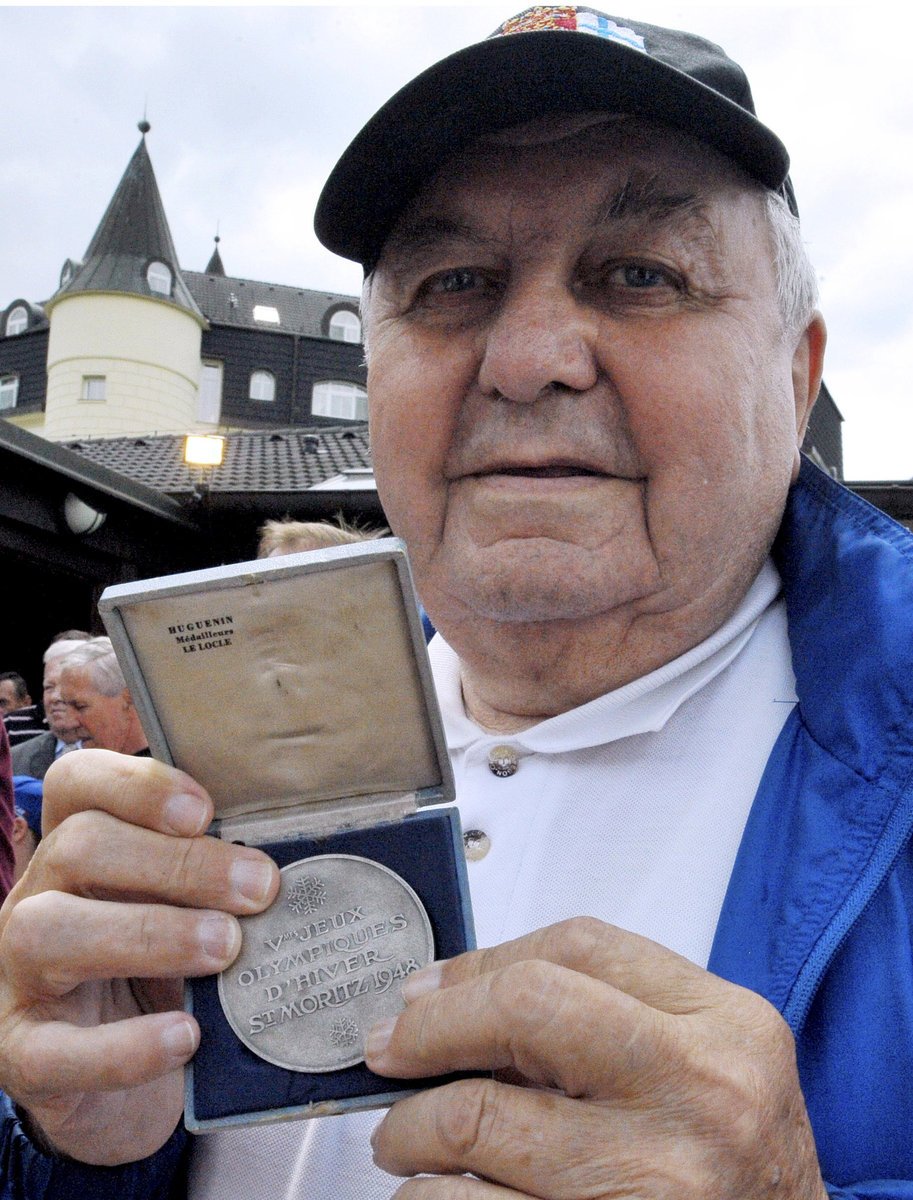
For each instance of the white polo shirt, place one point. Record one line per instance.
(629, 808)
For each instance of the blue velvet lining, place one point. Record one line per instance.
(229, 1079)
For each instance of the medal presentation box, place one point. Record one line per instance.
(297, 691)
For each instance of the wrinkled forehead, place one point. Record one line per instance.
(640, 165)
(75, 678)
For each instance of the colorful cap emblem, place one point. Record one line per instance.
(573, 19)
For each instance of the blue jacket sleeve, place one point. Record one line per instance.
(27, 1173)
(874, 1189)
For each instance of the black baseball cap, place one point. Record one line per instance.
(550, 59)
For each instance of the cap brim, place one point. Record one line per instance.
(503, 82)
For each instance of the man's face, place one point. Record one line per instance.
(60, 716)
(9, 701)
(103, 721)
(581, 393)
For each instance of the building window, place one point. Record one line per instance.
(345, 326)
(334, 398)
(262, 385)
(158, 276)
(17, 321)
(209, 400)
(266, 314)
(93, 387)
(9, 391)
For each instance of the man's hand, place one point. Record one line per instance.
(123, 898)
(624, 1071)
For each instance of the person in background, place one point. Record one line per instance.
(27, 821)
(92, 685)
(293, 537)
(20, 715)
(36, 755)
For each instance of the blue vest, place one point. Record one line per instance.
(818, 917)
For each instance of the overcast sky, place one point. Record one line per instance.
(251, 106)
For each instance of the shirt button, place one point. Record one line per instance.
(476, 844)
(503, 761)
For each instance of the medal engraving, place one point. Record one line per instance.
(324, 962)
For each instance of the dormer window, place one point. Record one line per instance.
(266, 314)
(17, 321)
(345, 326)
(158, 276)
(262, 386)
(67, 271)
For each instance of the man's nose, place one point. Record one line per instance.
(540, 338)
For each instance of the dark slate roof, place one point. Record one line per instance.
(133, 232)
(276, 460)
(225, 300)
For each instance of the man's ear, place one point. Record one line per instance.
(20, 829)
(807, 369)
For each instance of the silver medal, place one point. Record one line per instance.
(324, 962)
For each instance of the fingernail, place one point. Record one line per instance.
(180, 1040)
(185, 814)
(428, 979)
(252, 878)
(219, 937)
(379, 1037)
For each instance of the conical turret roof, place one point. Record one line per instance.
(132, 235)
(214, 266)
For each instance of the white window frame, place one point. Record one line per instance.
(262, 386)
(17, 320)
(209, 396)
(94, 389)
(345, 326)
(9, 392)
(341, 399)
(160, 278)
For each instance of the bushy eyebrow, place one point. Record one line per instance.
(643, 198)
(426, 231)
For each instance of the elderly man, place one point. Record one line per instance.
(36, 755)
(93, 687)
(675, 672)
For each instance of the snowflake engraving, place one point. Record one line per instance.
(344, 1032)
(306, 894)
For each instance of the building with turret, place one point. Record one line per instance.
(131, 344)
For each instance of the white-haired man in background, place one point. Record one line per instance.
(93, 687)
(36, 755)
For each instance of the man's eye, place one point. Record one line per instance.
(448, 283)
(642, 276)
(471, 282)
